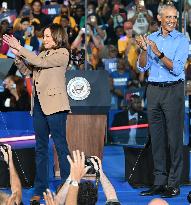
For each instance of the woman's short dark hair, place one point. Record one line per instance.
(87, 193)
(59, 36)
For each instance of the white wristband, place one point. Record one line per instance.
(68, 180)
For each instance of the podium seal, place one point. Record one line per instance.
(78, 88)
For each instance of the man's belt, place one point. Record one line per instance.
(165, 84)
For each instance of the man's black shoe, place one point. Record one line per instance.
(171, 192)
(154, 190)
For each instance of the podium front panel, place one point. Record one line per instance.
(88, 91)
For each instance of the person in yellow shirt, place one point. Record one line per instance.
(65, 11)
(127, 46)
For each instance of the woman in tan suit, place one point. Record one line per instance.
(49, 100)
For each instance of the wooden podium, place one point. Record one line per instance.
(86, 133)
(86, 126)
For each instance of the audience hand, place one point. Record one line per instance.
(81, 32)
(77, 166)
(7, 155)
(11, 199)
(12, 42)
(97, 166)
(49, 198)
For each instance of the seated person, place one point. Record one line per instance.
(75, 192)
(15, 97)
(133, 114)
(16, 189)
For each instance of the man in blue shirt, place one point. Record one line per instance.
(164, 54)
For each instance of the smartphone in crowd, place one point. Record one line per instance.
(93, 19)
(29, 30)
(141, 3)
(13, 86)
(83, 29)
(4, 5)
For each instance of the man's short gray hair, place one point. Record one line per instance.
(166, 6)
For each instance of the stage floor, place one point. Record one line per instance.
(114, 167)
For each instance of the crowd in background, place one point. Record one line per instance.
(102, 37)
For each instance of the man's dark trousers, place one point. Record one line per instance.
(166, 122)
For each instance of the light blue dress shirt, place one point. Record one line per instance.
(175, 46)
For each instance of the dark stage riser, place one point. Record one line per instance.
(143, 174)
(26, 163)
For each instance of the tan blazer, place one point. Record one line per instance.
(48, 70)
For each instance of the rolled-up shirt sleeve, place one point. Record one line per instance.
(147, 66)
(181, 56)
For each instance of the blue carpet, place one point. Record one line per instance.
(114, 167)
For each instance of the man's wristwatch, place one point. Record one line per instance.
(74, 183)
(161, 55)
